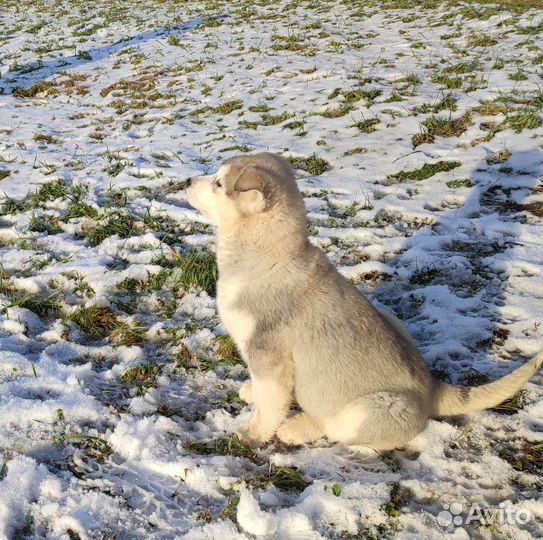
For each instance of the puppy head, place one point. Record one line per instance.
(243, 187)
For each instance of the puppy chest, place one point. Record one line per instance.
(239, 322)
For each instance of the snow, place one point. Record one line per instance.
(17, 490)
(252, 519)
(87, 454)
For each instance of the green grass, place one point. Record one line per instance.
(399, 496)
(174, 41)
(424, 276)
(135, 286)
(143, 377)
(50, 192)
(532, 29)
(426, 171)
(273, 120)
(410, 79)
(457, 184)
(394, 97)
(236, 148)
(462, 68)
(495, 6)
(292, 43)
(523, 119)
(501, 156)
(481, 39)
(283, 478)
(260, 108)
(448, 81)
(82, 288)
(491, 108)
(32, 91)
(513, 405)
(44, 306)
(230, 510)
(226, 355)
(41, 223)
(100, 322)
(246, 124)
(4, 173)
(336, 112)
(312, 164)
(196, 270)
(128, 335)
(350, 96)
(518, 76)
(229, 106)
(373, 94)
(12, 206)
(422, 138)
(525, 456)
(97, 322)
(47, 139)
(116, 223)
(447, 102)
(366, 126)
(78, 209)
(115, 168)
(447, 127)
(93, 447)
(296, 124)
(227, 351)
(224, 446)
(436, 126)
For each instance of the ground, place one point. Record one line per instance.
(414, 128)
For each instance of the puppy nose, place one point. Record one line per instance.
(188, 182)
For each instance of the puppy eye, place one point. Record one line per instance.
(218, 183)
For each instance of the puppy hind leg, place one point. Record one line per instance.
(300, 429)
(382, 421)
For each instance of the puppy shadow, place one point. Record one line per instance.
(451, 278)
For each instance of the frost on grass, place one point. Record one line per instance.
(415, 134)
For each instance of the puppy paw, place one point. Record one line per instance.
(252, 434)
(290, 434)
(299, 429)
(246, 392)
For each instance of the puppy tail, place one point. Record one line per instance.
(451, 400)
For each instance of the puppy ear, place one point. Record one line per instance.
(250, 185)
(252, 201)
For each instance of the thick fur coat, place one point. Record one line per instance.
(306, 333)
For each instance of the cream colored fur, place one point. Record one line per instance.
(307, 334)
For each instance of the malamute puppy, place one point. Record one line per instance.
(307, 334)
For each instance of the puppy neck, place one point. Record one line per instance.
(260, 243)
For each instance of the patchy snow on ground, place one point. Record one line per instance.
(415, 133)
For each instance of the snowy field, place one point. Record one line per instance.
(416, 135)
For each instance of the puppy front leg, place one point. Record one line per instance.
(246, 392)
(271, 394)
